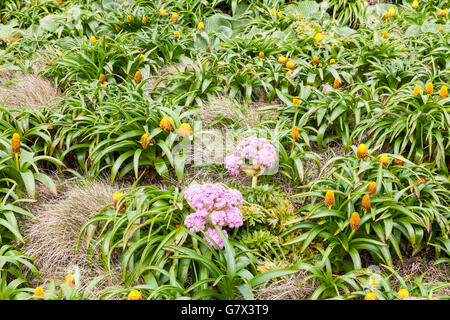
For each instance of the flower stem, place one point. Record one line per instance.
(16, 156)
(254, 181)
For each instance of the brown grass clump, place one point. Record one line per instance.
(21, 90)
(52, 237)
(292, 287)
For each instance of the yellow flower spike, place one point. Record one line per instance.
(70, 282)
(144, 20)
(332, 61)
(117, 27)
(176, 34)
(144, 143)
(441, 29)
(162, 12)
(261, 55)
(443, 93)
(272, 12)
(102, 79)
(354, 221)
(296, 101)
(282, 59)
(128, 18)
(365, 203)
(174, 17)
(336, 83)
(165, 124)
(137, 77)
(391, 12)
(116, 197)
(373, 281)
(315, 60)
(416, 90)
(15, 143)
(429, 88)
(185, 130)
(403, 293)
(60, 3)
(279, 14)
(329, 199)
(60, 54)
(141, 56)
(318, 37)
(290, 65)
(134, 295)
(361, 151)
(370, 296)
(294, 133)
(201, 25)
(385, 34)
(443, 12)
(384, 160)
(386, 16)
(39, 292)
(415, 4)
(93, 40)
(372, 188)
(300, 16)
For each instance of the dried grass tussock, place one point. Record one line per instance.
(55, 252)
(20, 90)
(292, 287)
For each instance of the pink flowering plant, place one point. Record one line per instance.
(214, 206)
(253, 156)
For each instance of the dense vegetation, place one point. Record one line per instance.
(136, 77)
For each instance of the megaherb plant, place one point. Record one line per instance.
(146, 230)
(381, 205)
(18, 167)
(368, 284)
(414, 121)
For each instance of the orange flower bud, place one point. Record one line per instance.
(294, 133)
(102, 79)
(315, 60)
(165, 124)
(354, 221)
(134, 295)
(429, 88)
(336, 83)
(329, 198)
(365, 203)
(144, 143)
(370, 296)
(39, 292)
(137, 77)
(185, 130)
(384, 160)
(443, 93)
(15, 143)
(362, 151)
(372, 188)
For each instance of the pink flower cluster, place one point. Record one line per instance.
(215, 206)
(258, 151)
